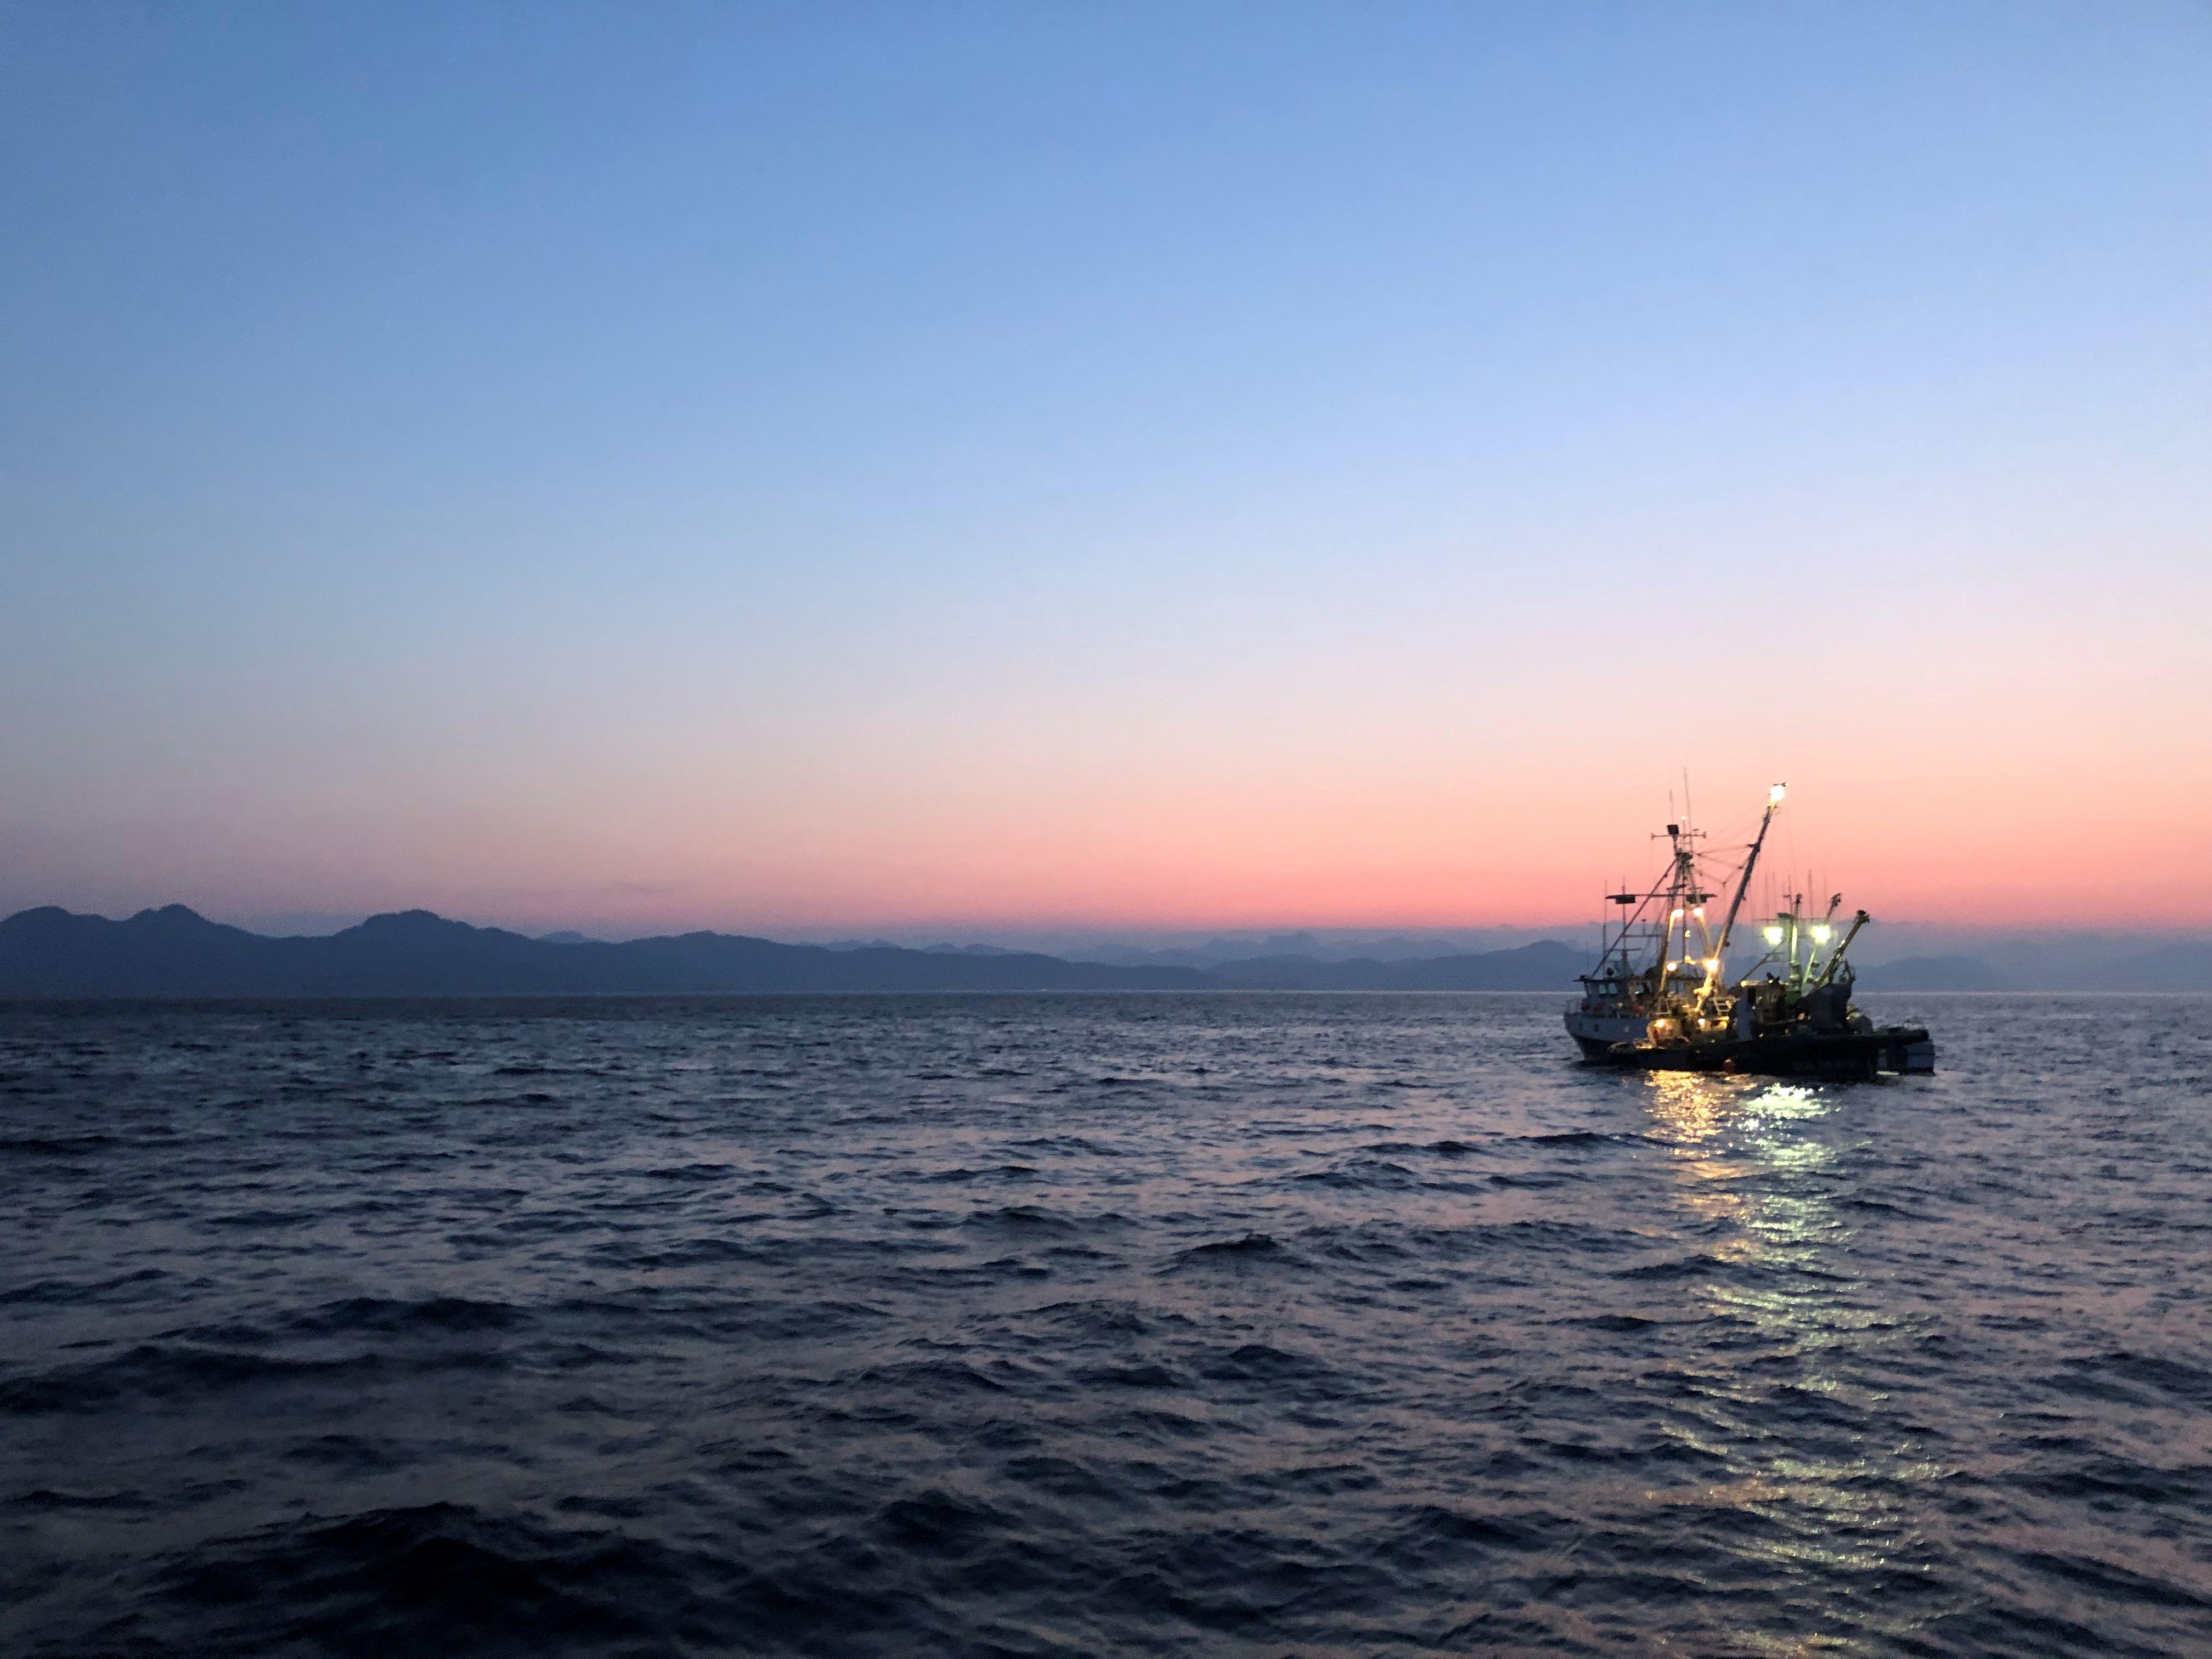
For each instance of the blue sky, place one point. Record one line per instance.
(779, 465)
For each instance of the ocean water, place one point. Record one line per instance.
(1255, 1325)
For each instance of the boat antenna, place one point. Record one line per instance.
(1743, 883)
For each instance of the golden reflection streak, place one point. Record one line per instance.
(1733, 1145)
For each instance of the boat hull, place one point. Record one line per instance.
(1598, 1034)
(1905, 1049)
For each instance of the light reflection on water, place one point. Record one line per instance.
(1754, 1157)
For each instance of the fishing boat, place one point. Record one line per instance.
(1661, 998)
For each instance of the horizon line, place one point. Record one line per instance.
(1126, 933)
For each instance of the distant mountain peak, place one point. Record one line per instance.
(414, 921)
(173, 915)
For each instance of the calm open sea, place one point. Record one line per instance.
(1227, 1325)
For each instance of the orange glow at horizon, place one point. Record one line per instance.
(2033, 766)
(1284, 855)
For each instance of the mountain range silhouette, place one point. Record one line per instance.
(174, 952)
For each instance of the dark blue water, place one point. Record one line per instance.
(1240, 1325)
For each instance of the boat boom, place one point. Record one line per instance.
(1742, 886)
(1836, 956)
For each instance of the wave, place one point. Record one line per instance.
(1111, 1320)
(1583, 1137)
(1130, 1376)
(1070, 1145)
(933, 1378)
(2071, 1471)
(1362, 1173)
(71, 1292)
(1440, 1148)
(438, 1314)
(2084, 1574)
(442, 1578)
(1260, 1361)
(154, 1371)
(1024, 1217)
(45, 1498)
(1616, 1323)
(933, 1522)
(1535, 1181)
(1002, 1171)
(349, 1454)
(1250, 1249)
(2135, 1379)
(1697, 1265)
(1436, 1531)
(56, 1146)
(689, 1172)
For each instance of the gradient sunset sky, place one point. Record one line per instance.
(779, 468)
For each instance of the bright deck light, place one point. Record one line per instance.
(1822, 932)
(1774, 795)
(1773, 933)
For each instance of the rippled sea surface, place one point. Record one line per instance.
(1237, 1325)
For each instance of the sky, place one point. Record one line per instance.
(814, 469)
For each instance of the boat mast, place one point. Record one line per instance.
(1674, 911)
(1742, 886)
